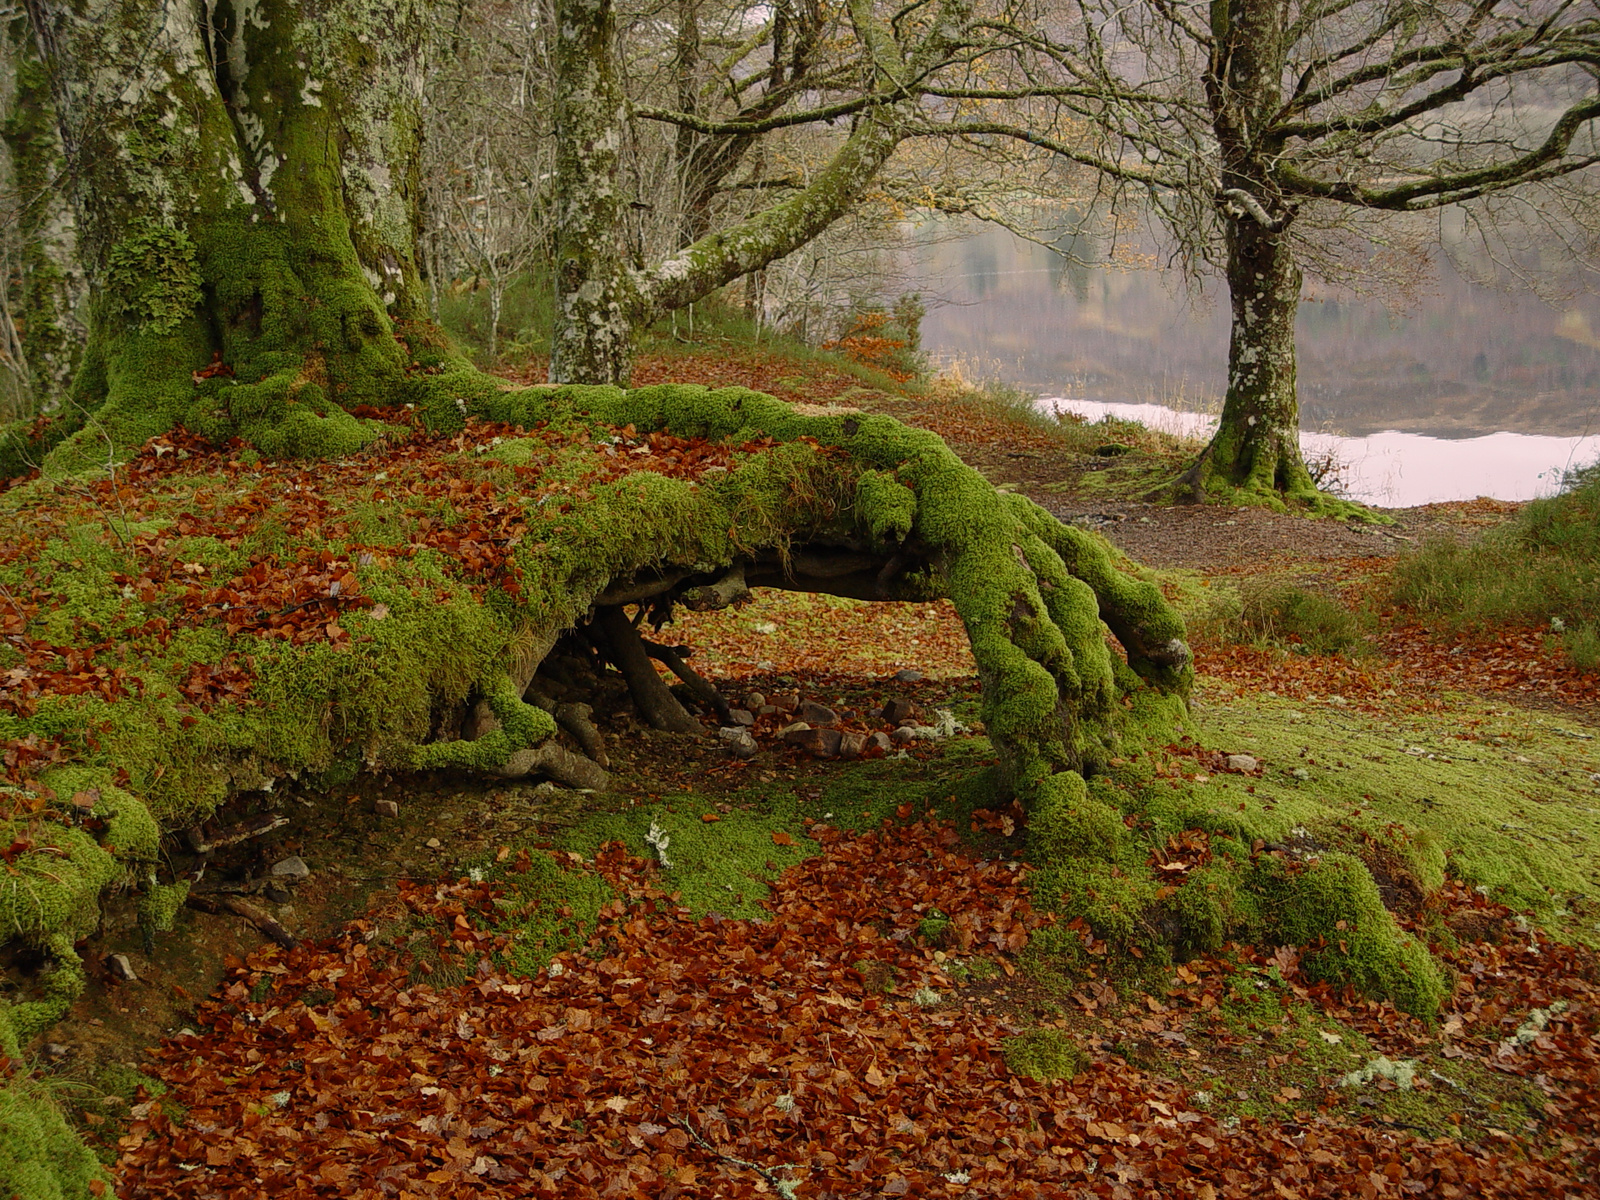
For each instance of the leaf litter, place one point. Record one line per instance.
(676, 1055)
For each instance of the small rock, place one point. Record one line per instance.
(434, 844)
(1301, 773)
(818, 714)
(55, 1050)
(741, 716)
(908, 676)
(754, 700)
(797, 727)
(851, 746)
(784, 702)
(277, 893)
(898, 711)
(293, 867)
(766, 710)
(1241, 762)
(880, 741)
(904, 735)
(122, 968)
(738, 741)
(386, 808)
(819, 743)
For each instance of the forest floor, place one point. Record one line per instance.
(505, 990)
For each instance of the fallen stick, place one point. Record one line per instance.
(268, 927)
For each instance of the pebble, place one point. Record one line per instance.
(386, 808)
(909, 676)
(1242, 762)
(434, 844)
(293, 867)
(741, 716)
(122, 968)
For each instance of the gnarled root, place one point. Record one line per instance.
(555, 762)
(675, 658)
(626, 649)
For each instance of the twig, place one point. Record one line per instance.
(234, 834)
(784, 1187)
(269, 927)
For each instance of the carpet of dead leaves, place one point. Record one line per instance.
(684, 1056)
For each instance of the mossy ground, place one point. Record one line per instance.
(1104, 874)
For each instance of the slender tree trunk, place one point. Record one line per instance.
(245, 190)
(595, 307)
(1257, 444)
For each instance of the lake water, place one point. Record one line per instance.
(1471, 392)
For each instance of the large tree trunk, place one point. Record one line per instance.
(595, 299)
(44, 294)
(245, 189)
(1256, 451)
(1257, 444)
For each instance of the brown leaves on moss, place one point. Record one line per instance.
(683, 1056)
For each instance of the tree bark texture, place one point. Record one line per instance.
(595, 306)
(1257, 444)
(245, 195)
(46, 292)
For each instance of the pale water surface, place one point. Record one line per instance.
(1471, 392)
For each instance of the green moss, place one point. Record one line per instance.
(1331, 906)
(152, 270)
(160, 904)
(41, 1156)
(1043, 1055)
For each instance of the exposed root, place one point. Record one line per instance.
(554, 761)
(675, 657)
(626, 649)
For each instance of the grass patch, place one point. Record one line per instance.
(1543, 568)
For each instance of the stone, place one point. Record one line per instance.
(754, 700)
(738, 742)
(904, 735)
(55, 1049)
(277, 893)
(434, 844)
(784, 702)
(120, 967)
(1301, 774)
(766, 710)
(898, 710)
(741, 716)
(880, 741)
(1241, 762)
(908, 676)
(795, 728)
(813, 713)
(293, 867)
(852, 745)
(819, 743)
(386, 808)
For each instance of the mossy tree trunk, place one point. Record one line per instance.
(245, 194)
(45, 291)
(1257, 444)
(596, 302)
(1256, 448)
(601, 298)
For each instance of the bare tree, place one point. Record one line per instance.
(1265, 136)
